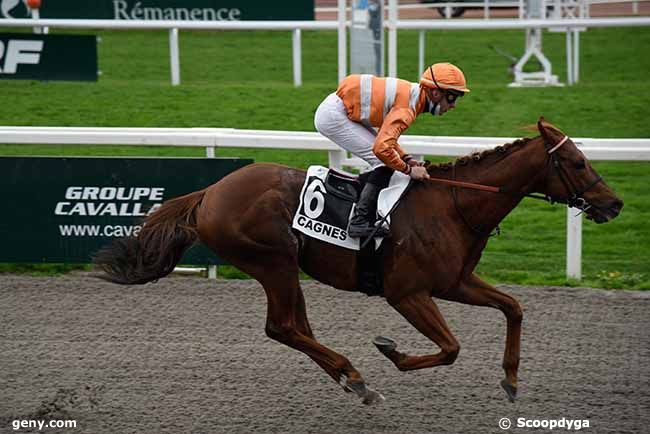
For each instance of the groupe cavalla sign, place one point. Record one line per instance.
(207, 10)
(65, 209)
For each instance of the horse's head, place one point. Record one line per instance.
(572, 180)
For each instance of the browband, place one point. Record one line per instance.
(556, 147)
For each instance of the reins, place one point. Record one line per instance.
(488, 188)
(468, 185)
(574, 196)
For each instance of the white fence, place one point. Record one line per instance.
(212, 138)
(392, 24)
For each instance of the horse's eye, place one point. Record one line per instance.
(579, 164)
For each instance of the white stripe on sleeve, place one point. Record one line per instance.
(415, 94)
(389, 95)
(366, 96)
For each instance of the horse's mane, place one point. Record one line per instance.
(476, 156)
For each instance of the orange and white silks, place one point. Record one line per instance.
(390, 104)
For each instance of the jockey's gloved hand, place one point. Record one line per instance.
(419, 173)
(408, 159)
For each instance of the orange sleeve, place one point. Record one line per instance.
(386, 147)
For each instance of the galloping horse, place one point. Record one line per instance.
(436, 238)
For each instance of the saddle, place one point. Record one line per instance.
(345, 186)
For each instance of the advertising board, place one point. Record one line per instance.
(65, 209)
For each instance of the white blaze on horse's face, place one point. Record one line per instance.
(572, 179)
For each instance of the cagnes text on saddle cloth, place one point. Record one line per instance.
(325, 217)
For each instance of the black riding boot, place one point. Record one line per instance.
(365, 212)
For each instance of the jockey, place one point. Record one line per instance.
(367, 114)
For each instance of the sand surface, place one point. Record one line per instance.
(189, 355)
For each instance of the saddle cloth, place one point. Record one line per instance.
(327, 203)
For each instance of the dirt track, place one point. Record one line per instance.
(188, 355)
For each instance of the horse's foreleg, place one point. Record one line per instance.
(476, 292)
(424, 315)
(287, 323)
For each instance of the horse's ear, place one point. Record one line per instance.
(545, 129)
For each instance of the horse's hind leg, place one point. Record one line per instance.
(287, 323)
(424, 315)
(476, 292)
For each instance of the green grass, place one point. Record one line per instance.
(244, 80)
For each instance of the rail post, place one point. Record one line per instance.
(421, 43)
(173, 57)
(297, 58)
(392, 38)
(574, 244)
(343, 54)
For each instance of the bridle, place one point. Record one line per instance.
(574, 198)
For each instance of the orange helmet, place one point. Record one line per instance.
(445, 76)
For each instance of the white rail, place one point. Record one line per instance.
(173, 26)
(594, 149)
(211, 138)
(480, 24)
(476, 4)
(170, 24)
(392, 24)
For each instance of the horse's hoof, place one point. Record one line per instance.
(367, 395)
(384, 345)
(373, 397)
(511, 390)
(359, 388)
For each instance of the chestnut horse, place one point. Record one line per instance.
(436, 238)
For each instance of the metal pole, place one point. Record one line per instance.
(297, 57)
(421, 43)
(486, 9)
(36, 16)
(343, 55)
(336, 158)
(576, 55)
(574, 244)
(392, 38)
(212, 269)
(569, 58)
(173, 55)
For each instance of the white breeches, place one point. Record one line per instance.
(331, 120)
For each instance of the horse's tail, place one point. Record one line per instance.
(165, 236)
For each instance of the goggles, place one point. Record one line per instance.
(450, 95)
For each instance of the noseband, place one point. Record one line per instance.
(575, 197)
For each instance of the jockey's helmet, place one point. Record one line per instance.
(445, 76)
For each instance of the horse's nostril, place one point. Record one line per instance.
(616, 206)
